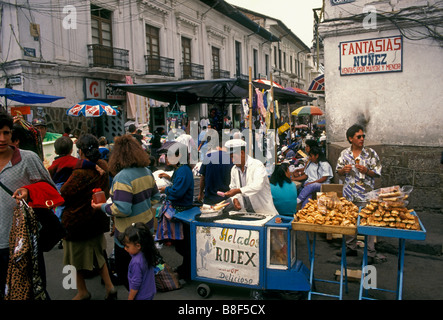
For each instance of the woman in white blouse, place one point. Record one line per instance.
(318, 172)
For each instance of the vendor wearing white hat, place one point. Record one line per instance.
(250, 189)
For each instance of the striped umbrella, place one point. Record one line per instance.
(307, 111)
(296, 90)
(268, 82)
(92, 108)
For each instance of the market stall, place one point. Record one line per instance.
(327, 214)
(256, 251)
(386, 215)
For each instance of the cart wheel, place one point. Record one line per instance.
(203, 290)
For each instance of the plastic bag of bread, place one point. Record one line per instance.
(328, 200)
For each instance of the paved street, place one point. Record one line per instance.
(423, 278)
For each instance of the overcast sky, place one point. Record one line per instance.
(297, 15)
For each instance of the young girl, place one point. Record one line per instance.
(139, 243)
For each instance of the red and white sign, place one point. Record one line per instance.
(369, 56)
(95, 89)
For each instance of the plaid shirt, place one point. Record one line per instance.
(356, 184)
(24, 168)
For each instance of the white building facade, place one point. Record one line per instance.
(76, 49)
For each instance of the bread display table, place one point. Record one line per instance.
(315, 228)
(402, 235)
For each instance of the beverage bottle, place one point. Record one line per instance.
(98, 195)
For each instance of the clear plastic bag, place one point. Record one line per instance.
(328, 200)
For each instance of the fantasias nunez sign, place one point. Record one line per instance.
(369, 56)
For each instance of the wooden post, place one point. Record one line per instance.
(273, 119)
(250, 114)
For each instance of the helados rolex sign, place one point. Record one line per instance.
(368, 56)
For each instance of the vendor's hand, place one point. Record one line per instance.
(21, 194)
(200, 197)
(361, 169)
(162, 189)
(95, 205)
(164, 175)
(237, 204)
(347, 168)
(232, 192)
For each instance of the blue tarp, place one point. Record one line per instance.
(27, 97)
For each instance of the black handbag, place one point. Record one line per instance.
(51, 230)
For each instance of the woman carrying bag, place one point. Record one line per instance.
(133, 192)
(85, 244)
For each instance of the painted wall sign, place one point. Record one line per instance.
(226, 254)
(369, 56)
(336, 2)
(95, 89)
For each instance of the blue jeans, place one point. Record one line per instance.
(306, 193)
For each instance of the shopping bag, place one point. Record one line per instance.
(165, 278)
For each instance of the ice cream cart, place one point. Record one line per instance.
(256, 251)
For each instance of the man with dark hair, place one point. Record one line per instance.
(359, 165)
(133, 131)
(18, 168)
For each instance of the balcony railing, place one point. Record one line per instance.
(242, 76)
(220, 74)
(192, 71)
(108, 57)
(156, 65)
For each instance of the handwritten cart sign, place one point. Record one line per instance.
(368, 56)
(226, 254)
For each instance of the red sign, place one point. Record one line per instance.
(16, 111)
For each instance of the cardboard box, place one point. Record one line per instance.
(332, 188)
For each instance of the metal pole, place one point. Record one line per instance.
(250, 113)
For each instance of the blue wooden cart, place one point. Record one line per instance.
(252, 251)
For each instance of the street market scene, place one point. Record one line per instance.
(208, 150)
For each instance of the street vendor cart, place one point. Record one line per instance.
(256, 251)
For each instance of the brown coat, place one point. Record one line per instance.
(81, 221)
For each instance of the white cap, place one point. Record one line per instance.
(235, 143)
(284, 149)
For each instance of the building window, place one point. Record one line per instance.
(152, 41)
(255, 57)
(290, 64)
(215, 63)
(101, 26)
(284, 61)
(238, 58)
(186, 57)
(101, 29)
(275, 56)
(153, 49)
(267, 65)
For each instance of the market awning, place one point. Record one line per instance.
(318, 85)
(27, 97)
(220, 91)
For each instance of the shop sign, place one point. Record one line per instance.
(95, 89)
(114, 93)
(377, 55)
(228, 254)
(20, 110)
